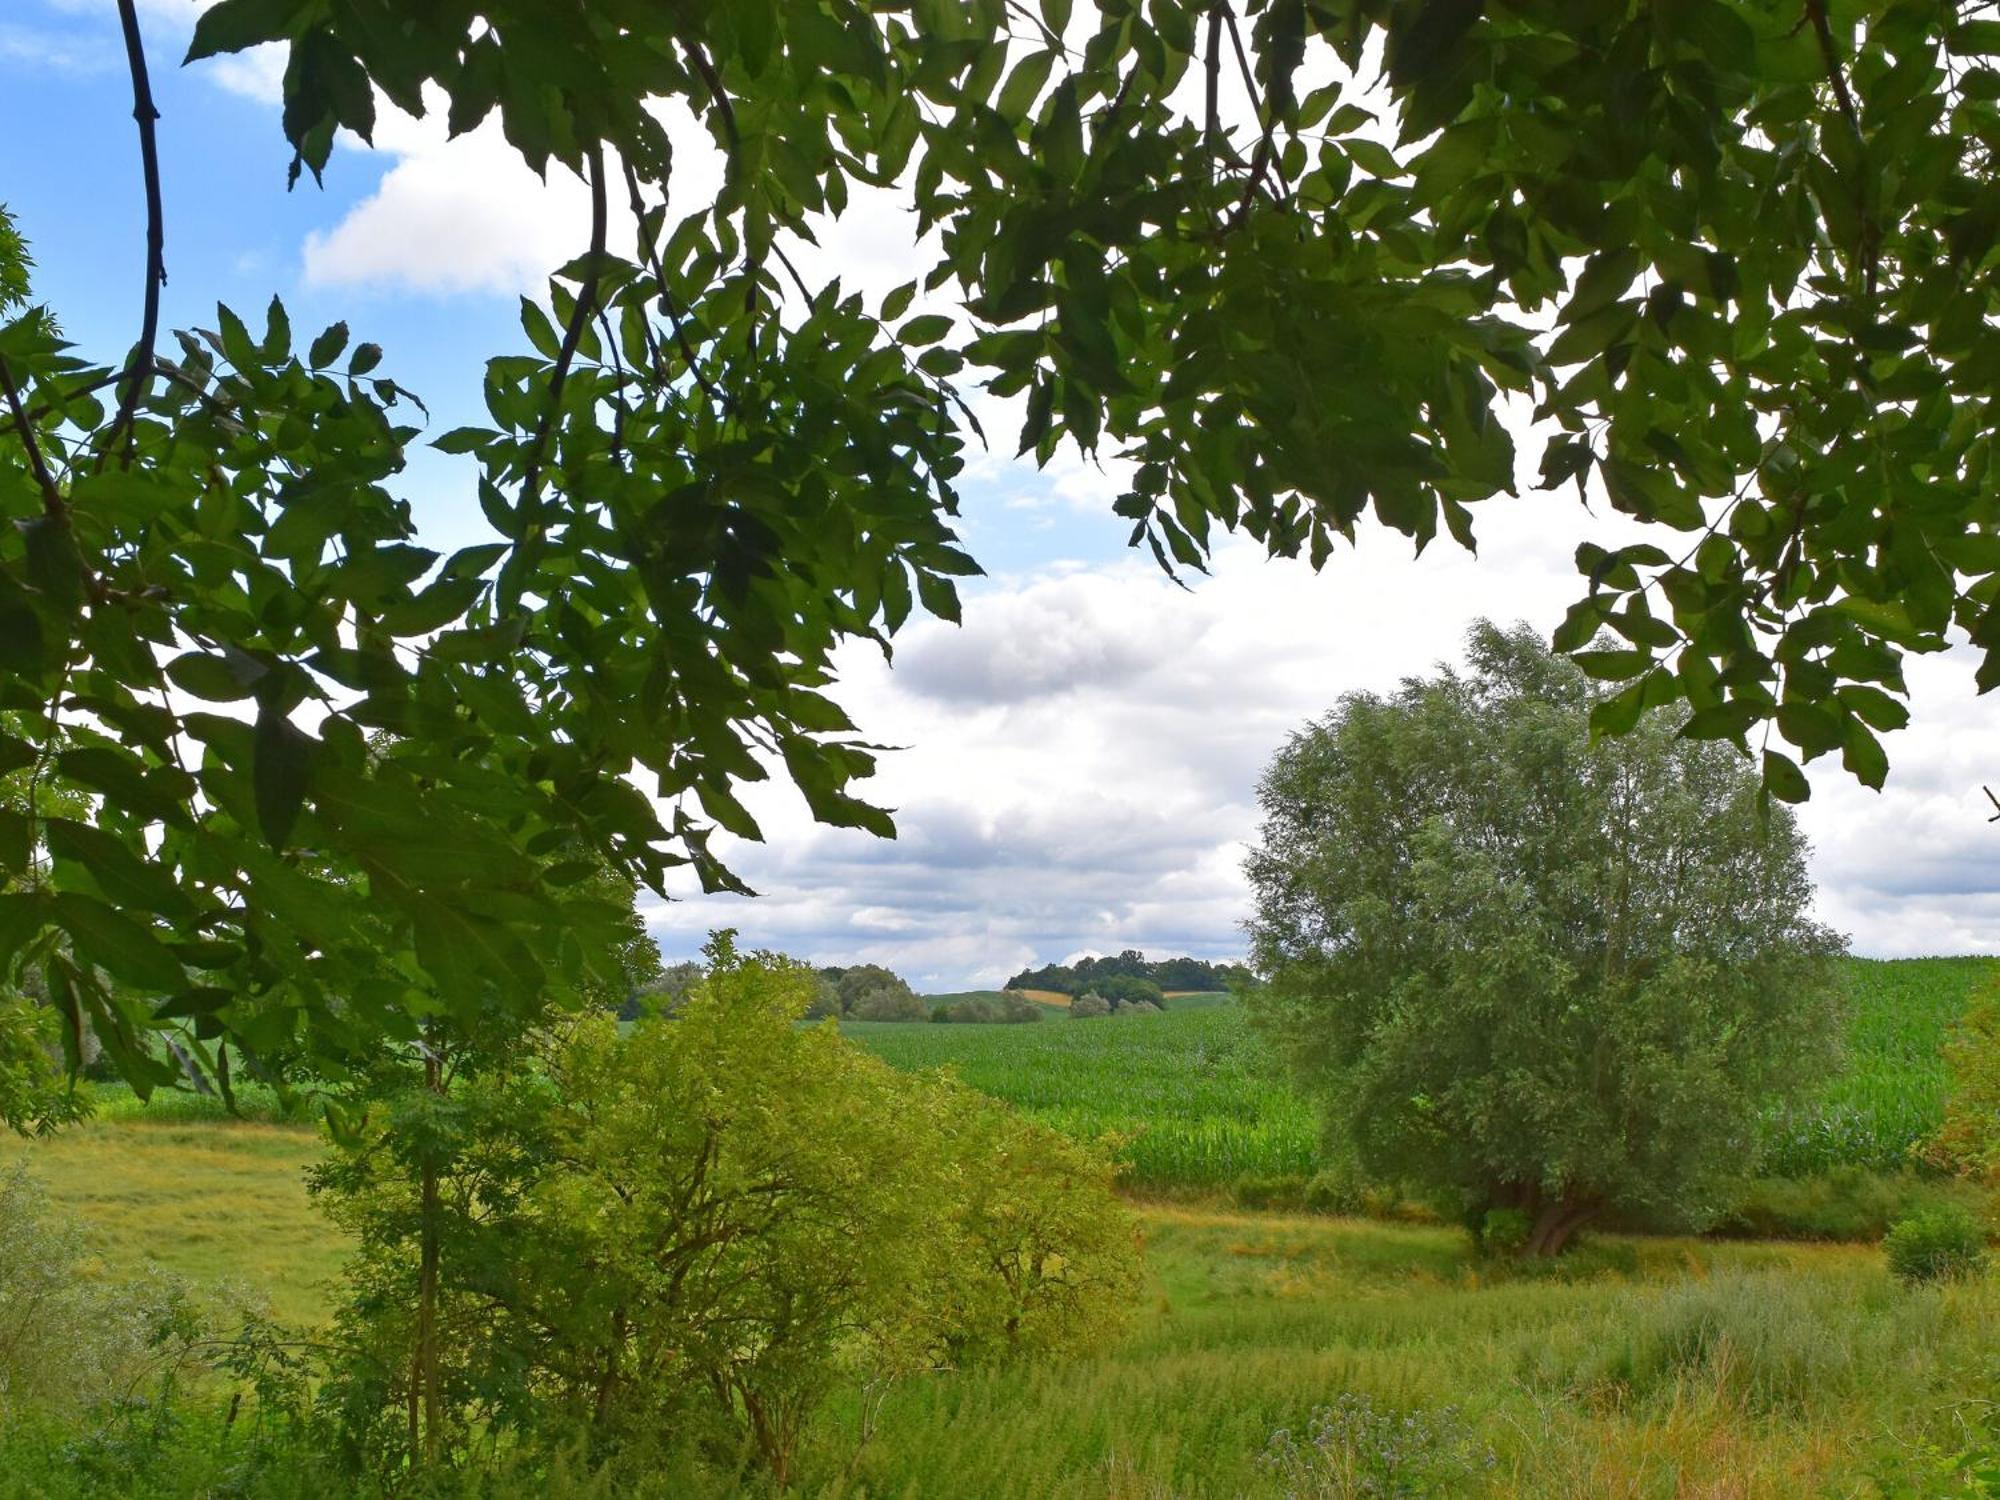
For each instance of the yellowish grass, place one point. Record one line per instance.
(1048, 997)
(213, 1202)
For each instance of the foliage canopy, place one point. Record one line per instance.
(1737, 255)
(1542, 976)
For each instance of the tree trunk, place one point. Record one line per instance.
(1558, 1221)
(427, 1298)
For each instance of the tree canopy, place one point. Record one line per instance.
(1100, 972)
(1532, 973)
(1736, 256)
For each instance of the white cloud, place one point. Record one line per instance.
(453, 216)
(1083, 756)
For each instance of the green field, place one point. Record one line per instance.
(1648, 1367)
(1890, 1094)
(1197, 1095)
(1192, 1087)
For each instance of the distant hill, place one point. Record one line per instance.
(1170, 974)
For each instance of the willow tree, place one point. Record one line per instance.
(1526, 971)
(1738, 256)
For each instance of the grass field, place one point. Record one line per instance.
(1655, 1367)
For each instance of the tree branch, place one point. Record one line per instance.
(141, 368)
(52, 497)
(586, 302)
(1843, 100)
(666, 294)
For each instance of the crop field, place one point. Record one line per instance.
(1890, 1094)
(1195, 1093)
(1192, 1088)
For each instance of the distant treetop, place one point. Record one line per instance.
(1168, 973)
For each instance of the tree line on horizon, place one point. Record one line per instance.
(1192, 974)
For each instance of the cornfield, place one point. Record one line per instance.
(1890, 1094)
(1191, 1091)
(1198, 1102)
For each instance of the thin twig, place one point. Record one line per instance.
(141, 367)
(1844, 101)
(52, 497)
(586, 301)
(667, 296)
(1212, 115)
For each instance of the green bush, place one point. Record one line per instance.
(888, 1003)
(68, 1338)
(1846, 1203)
(1086, 1007)
(1503, 1232)
(703, 1228)
(1336, 1189)
(1943, 1243)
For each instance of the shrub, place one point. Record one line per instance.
(1847, 1203)
(1355, 1448)
(1017, 1009)
(1503, 1232)
(888, 1003)
(1943, 1243)
(1335, 1189)
(66, 1338)
(940, 1012)
(1123, 990)
(1138, 1008)
(1084, 1007)
(1282, 1191)
(700, 1229)
(1968, 1140)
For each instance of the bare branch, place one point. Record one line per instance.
(52, 497)
(141, 368)
(586, 302)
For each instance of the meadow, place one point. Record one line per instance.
(1652, 1366)
(1638, 1367)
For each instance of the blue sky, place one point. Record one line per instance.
(1083, 752)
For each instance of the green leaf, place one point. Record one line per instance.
(326, 348)
(927, 328)
(1784, 778)
(280, 770)
(1863, 755)
(105, 936)
(236, 25)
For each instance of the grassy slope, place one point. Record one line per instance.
(207, 1200)
(1655, 1367)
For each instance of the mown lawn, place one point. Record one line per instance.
(1658, 1367)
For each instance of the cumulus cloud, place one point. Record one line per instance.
(1083, 756)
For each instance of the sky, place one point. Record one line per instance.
(1078, 760)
